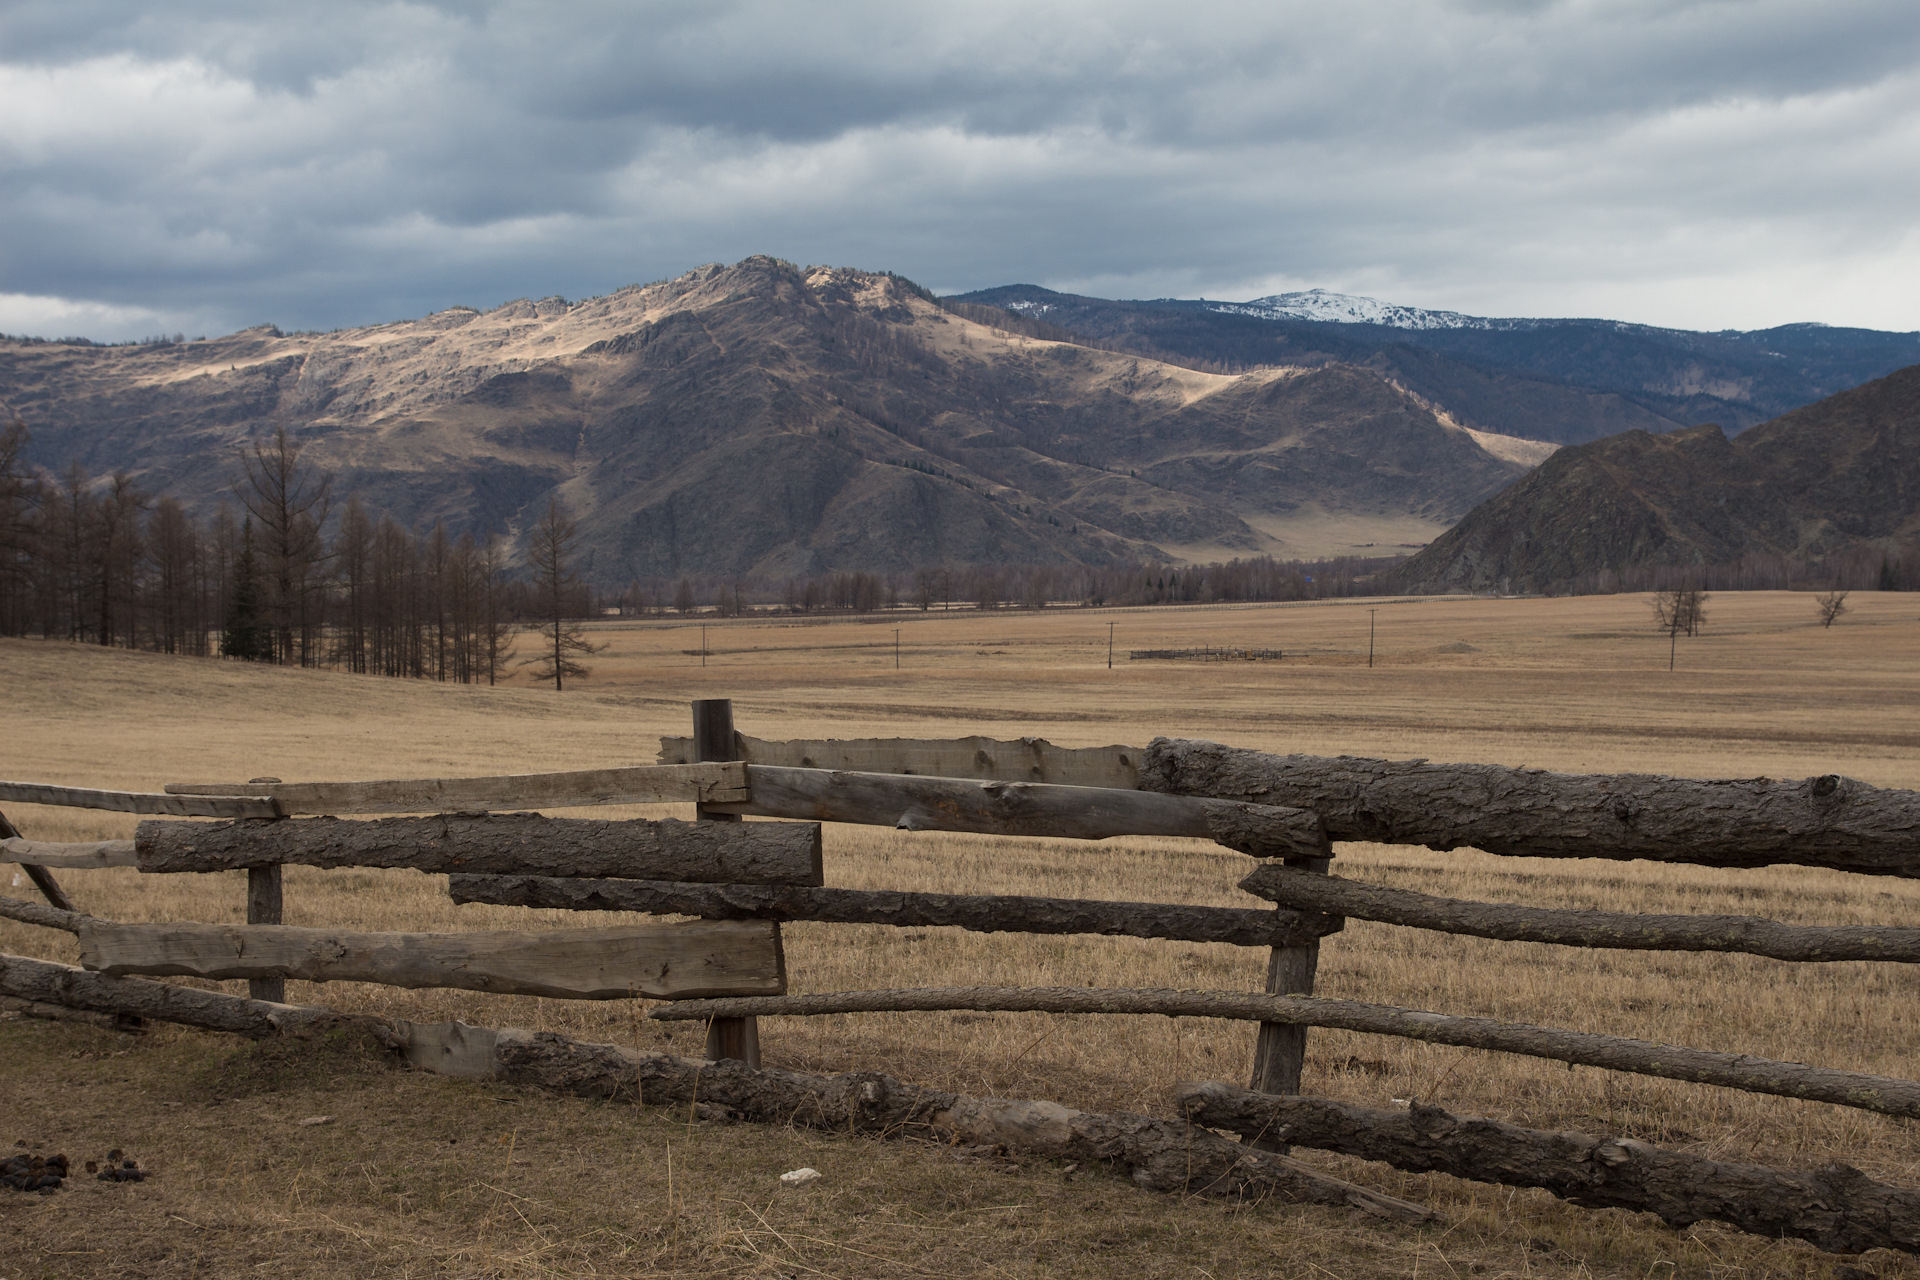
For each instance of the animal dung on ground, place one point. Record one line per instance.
(799, 1177)
(34, 1173)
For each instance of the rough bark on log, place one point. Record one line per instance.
(46, 917)
(1241, 926)
(1162, 1155)
(1884, 1094)
(131, 1024)
(661, 961)
(1838, 1208)
(1611, 929)
(1827, 821)
(642, 784)
(212, 804)
(83, 855)
(1020, 760)
(1027, 809)
(49, 983)
(509, 843)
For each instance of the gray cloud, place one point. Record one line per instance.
(205, 165)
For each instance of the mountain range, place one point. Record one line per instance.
(1834, 477)
(1564, 381)
(761, 420)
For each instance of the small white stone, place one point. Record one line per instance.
(799, 1177)
(318, 1120)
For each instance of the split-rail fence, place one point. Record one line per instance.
(739, 881)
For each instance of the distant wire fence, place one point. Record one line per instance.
(727, 968)
(1207, 654)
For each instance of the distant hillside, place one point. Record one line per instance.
(1567, 381)
(763, 420)
(1834, 477)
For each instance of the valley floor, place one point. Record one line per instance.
(419, 1175)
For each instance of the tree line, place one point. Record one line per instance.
(278, 575)
(282, 573)
(948, 587)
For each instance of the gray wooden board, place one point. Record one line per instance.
(1026, 809)
(505, 843)
(642, 784)
(661, 961)
(212, 803)
(1019, 760)
(49, 853)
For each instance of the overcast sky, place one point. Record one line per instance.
(203, 166)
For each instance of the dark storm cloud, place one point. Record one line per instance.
(206, 165)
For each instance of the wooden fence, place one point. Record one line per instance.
(742, 880)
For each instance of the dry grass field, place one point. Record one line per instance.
(419, 1175)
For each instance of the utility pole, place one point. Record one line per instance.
(896, 648)
(1109, 646)
(1370, 614)
(703, 645)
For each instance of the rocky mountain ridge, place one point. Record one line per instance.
(761, 419)
(1833, 478)
(1566, 381)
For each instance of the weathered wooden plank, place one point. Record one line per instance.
(642, 784)
(214, 802)
(1838, 1208)
(661, 961)
(1883, 1094)
(502, 843)
(46, 917)
(48, 853)
(1019, 760)
(1827, 821)
(1240, 926)
(1610, 929)
(1027, 809)
(1163, 1155)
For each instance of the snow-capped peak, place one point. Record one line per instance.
(1344, 308)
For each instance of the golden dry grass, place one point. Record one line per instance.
(1568, 684)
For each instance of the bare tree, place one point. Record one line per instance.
(1832, 604)
(288, 503)
(1677, 610)
(550, 551)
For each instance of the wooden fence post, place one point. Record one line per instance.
(264, 907)
(42, 878)
(1280, 1051)
(713, 742)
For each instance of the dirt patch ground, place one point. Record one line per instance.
(396, 1183)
